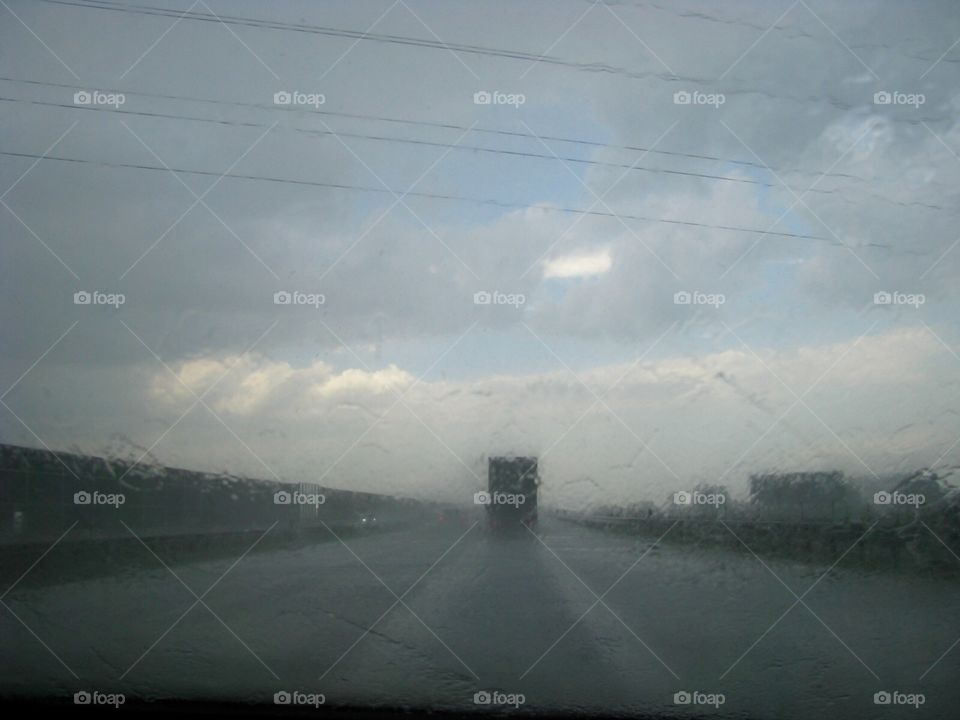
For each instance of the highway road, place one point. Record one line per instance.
(573, 619)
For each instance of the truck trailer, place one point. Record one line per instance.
(511, 497)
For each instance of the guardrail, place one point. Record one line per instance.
(885, 543)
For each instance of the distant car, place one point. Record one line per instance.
(367, 521)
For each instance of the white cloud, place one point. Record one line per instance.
(720, 414)
(254, 385)
(579, 265)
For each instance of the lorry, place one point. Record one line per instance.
(511, 497)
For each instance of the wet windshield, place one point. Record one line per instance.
(580, 356)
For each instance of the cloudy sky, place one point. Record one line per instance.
(777, 164)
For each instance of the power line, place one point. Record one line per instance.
(264, 24)
(435, 44)
(411, 141)
(764, 27)
(453, 146)
(449, 126)
(425, 195)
